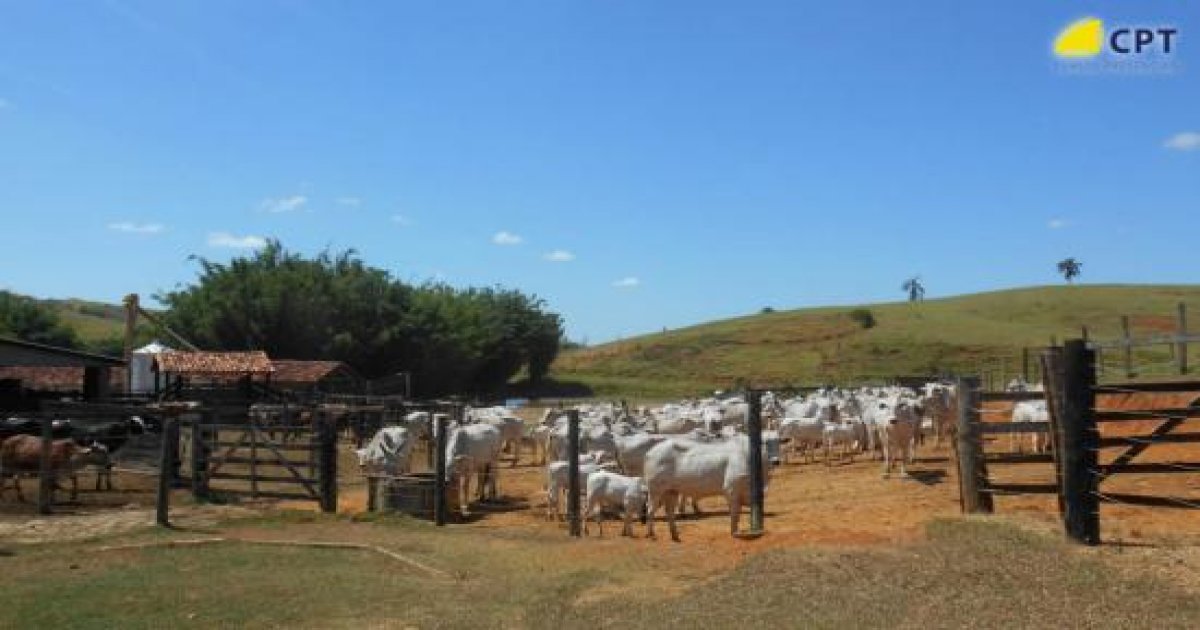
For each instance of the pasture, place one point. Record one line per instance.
(844, 548)
(966, 334)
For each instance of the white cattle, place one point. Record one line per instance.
(558, 478)
(1031, 411)
(387, 453)
(608, 489)
(676, 468)
(472, 451)
(632, 449)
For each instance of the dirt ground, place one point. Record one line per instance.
(845, 504)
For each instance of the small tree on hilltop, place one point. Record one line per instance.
(1070, 269)
(914, 289)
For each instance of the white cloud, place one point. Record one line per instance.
(352, 202)
(225, 239)
(401, 220)
(506, 238)
(629, 282)
(1057, 224)
(1185, 141)
(283, 204)
(136, 228)
(559, 255)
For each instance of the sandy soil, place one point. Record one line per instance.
(846, 504)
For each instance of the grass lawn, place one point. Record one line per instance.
(967, 573)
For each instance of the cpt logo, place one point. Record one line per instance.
(1087, 38)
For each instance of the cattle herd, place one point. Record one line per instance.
(637, 461)
(632, 461)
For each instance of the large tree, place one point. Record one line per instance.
(334, 306)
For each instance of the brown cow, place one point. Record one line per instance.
(22, 454)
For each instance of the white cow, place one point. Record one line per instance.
(558, 479)
(632, 449)
(608, 489)
(388, 452)
(675, 468)
(472, 451)
(1031, 411)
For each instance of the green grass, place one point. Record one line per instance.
(968, 573)
(965, 334)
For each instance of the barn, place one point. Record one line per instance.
(30, 371)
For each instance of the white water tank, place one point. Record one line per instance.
(141, 368)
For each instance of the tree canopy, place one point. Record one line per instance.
(334, 306)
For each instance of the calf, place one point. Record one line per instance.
(608, 489)
(558, 477)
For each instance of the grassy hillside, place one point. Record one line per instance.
(92, 321)
(980, 333)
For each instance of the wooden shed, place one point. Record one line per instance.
(214, 370)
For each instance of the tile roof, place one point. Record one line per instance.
(57, 379)
(212, 363)
(292, 371)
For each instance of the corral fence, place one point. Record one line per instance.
(1085, 425)
(281, 452)
(136, 428)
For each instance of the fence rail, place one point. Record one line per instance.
(1069, 374)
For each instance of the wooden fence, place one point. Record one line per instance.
(1078, 441)
(245, 455)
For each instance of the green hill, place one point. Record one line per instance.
(971, 334)
(93, 322)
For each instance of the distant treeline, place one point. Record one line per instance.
(334, 306)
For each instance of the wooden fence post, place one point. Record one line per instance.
(1025, 364)
(200, 457)
(439, 469)
(1052, 384)
(45, 476)
(1181, 342)
(573, 521)
(972, 471)
(1078, 444)
(1127, 342)
(166, 469)
(253, 426)
(757, 476)
(328, 480)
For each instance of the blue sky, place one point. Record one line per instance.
(637, 164)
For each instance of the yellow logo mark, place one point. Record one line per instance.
(1082, 38)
